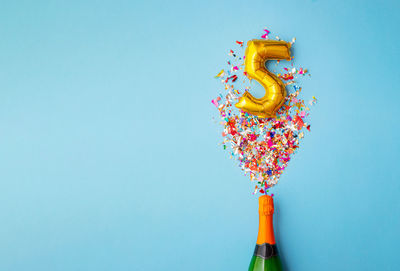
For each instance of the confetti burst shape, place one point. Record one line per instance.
(262, 146)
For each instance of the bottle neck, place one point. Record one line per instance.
(266, 226)
(265, 230)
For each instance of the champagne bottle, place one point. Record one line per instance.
(265, 254)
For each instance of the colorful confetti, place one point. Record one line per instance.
(263, 146)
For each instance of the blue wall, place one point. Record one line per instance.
(109, 159)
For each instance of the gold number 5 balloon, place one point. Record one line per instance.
(257, 53)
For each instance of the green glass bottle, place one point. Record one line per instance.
(265, 256)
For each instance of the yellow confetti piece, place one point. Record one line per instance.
(219, 74)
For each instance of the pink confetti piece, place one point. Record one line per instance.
(215, 101)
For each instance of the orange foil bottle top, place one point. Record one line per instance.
(265, 227)
(265, 256)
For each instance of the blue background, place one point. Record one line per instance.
(109, 159)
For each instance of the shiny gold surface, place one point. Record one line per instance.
(257, 53)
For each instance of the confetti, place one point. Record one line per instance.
(265, 36)
(262, 146)
(221, 73)
(240, 43)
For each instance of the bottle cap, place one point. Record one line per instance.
(266, 205)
